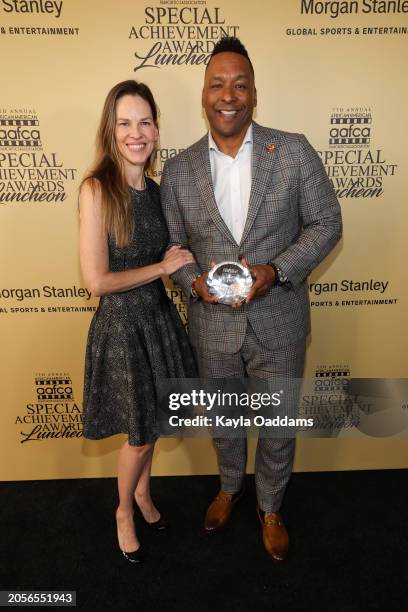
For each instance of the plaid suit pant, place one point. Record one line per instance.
(274, 456)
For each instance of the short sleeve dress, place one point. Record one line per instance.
(135, 338)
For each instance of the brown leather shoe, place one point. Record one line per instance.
(274, 535)
(220, 510)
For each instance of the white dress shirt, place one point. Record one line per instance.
(231, 178)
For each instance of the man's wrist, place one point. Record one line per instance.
(281, 280)
(193, 290)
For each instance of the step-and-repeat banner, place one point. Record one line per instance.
(335, 71)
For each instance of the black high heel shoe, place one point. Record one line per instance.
(136, 557)
(160, 525)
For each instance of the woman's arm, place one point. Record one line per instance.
(94, 253)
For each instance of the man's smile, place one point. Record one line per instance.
(228, 113)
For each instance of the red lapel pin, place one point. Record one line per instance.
(270, 148)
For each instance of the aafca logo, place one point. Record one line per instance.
(54, 412)
(330, 403)
(54, 388)
(350, 128)
(332, 377)
(20, 129)
(355, 165)
(27, 172)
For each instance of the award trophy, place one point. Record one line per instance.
(230, 282)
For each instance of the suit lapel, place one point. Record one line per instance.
(264, 154)
(200, 163)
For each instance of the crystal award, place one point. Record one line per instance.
(230, 282)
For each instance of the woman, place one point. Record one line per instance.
(136, 336)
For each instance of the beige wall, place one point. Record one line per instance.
(304, 80)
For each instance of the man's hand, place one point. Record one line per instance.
(264, 279)
(200, 285)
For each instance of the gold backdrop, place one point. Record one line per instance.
(333, 70)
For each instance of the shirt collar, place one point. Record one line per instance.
(247, 139)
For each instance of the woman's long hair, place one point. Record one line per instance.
(108, 167)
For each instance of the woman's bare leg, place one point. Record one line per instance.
(131, 465)
(142, 492)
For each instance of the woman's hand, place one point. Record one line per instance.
(95, 254)
(175, 258)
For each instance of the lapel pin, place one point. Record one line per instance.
(270, 148)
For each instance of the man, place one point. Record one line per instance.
(262, 195)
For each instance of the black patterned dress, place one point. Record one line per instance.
(135, 338)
